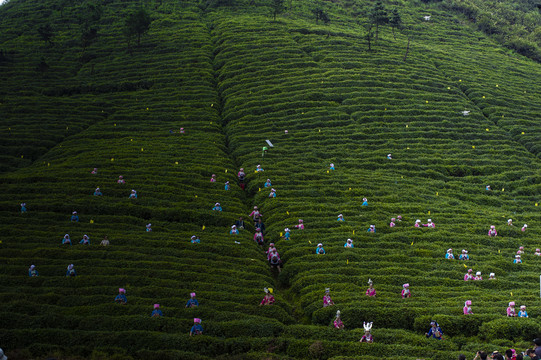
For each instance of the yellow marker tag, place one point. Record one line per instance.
(287, 212)
(473, 146)
(92, 221)
(131, 139)
(407, 148)
(349, 189)
(437, 194)
(536, 204)
(347, 261)
(195, 195)
(412, 243)
(503, 189)
(0, 241)
(385, 109)
(428, 212)
(176, 162)
(460, 80)
(114, 124)
(407, 126)
(22, 156)
(427, 101)
(402, 176)
(9, 129)
(112, 159)
(511, 293)
(465, 266)
(48, 164)
(259, 188)
(499, 251)
(487, 129)
(448, 88)
(310, 242)
(483, 96)
(142, 149)
(522, 133)
(302, 113)
(497, 85)
(203, 227)
(211, 122)
(226, 170)
(281, 234)
(211, 105)
(327, 171)
(67, 128)
(319, 130)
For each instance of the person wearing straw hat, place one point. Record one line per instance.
(133, 194)
(367, 337)
(32, 272)
(468, 275)
(234, 230)
(435, 331)
(511, 311)
(449, 255)
(478, 276)
(268, 299)
(340, 218)
(406, 291)
(327, 301)
(370, 291)
(320, 250)
(71, 271)
(522, 312)
(74, 217)
(121, 297)
(467, 308)
(338, 324)
(192, 302)
(349, 243)
(492, 231)
(156, 312)
(196, 329)
(66, 240)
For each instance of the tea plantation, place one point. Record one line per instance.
(418, 122)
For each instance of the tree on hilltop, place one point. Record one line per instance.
(137, 23)
(277, 7)
(378, 16)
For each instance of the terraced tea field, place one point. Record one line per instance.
(233, 78)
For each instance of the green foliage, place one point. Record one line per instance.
(137, 23)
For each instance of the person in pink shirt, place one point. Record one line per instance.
(258, 236)
(367, 337)
(524, 227)
(406, 291)
(492, 231)
(95, 171)
(467, 308)
(268, 299)
(392, 224)
(478, 276)
(520, 250)
(327, 301)
(255, 214)
(370, 291)
(418, 223)
(429, 224)
(468, 275)
(121, 180)
(213, 178)
(537, 252)
(301, 225)
(399, 218)
(269, 251)
(511, 312)
(338, 324)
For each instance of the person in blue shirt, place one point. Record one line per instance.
(32, 272)
(435, 331)
(340, 218)
(133, 194)
(371, 229)
(23, 208)
(464, 255)
(349, 244)
(217, 207)
(66, 240)
(268, 183)
(331, 166)
(71, 271)
(320, 250)
(287, 234)
(74, 217)
(227, 185)
(192, 302)
(272, 194)
(196, 329)
(156, 312)
(522, 312)
(449, 255)
(97, 192)
(121, 297)
(149, 227)
(195, 239)
(234, 230)
(85, 240)
(365, 202)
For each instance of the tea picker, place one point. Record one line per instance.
(268, 183)
(468, 275)
(511, 312)
(258, 236)
(74, 217)
(85, 240)
(300, 226)
(340, 218)
(156, 312)
(320, 250)
(217, 207)
(464, 255)
(32, 272)
(23, 208)
(268, 299)
(430, 224)
(406, 291)
(234, 230)
(66, 240)
(71, 271)
(213, 178)
(367, 337)
(478, 276)
(192, 302)
(97, 192)
(522, 312)
(275, 261)
(435, 331)
(196, 329)
(492, 231)
(133, 194)
(449, 255)
(349, 243)
(467, 308)
(370, 291)
(338, 324)
(121, 297)
(371, 229)
(327, 301)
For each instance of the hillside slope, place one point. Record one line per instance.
(233, 78)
